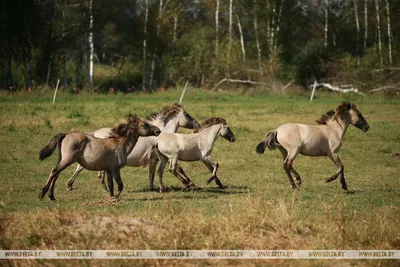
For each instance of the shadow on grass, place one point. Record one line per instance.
(190, 193)
(227, 190)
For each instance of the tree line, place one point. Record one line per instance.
(145, 44)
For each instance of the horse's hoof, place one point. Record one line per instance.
(41, 196)
(329, 179)
(295, 187)
(344, 186)
(70, 188)
(52, 198)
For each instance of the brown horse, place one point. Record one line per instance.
(324, 139)
(96, 154)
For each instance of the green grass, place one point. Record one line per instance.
(257, 210)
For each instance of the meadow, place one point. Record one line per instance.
(258, 209)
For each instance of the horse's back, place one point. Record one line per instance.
(181, 146)
(102, 133)
(308, 139)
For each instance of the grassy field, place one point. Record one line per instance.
(257, 210)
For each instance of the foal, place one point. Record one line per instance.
(324, 139)
(171, 147)
(96, 154)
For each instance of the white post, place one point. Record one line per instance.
(313, 91)
(55, 91)
(183, 92)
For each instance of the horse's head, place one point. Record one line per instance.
(355, 116)
(227, 133)
(143, 128)
(184, 119)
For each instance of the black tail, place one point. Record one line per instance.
(269, 141)
(50, 147)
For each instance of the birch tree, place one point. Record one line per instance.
(365, 24)
(241, 39)
(326, 25)
(358, 31)
(153, 61)
(389, 32)
(217, 28)
(146, 16)
(230, 36)
(378, 29)
(91, 45)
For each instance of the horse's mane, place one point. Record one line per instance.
(166, 112)
(326, 117)
(340, 110)
(123, 129)
(211, 121)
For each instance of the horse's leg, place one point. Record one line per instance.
(110, 183)
(60, 167)
(287, 164)
(163, 162)
(71, 180)
(296, 174)
(187, 182)
(102, 177)
(152, 170)
(178, 172)
(213, 170)
(118, 180)
(335, 158)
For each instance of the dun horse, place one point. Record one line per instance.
(324, 139)
(168, 120)
(96, 154)
(172, 147)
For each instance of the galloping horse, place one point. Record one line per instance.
(171, 147)
(96, 154)
(168, 120)
(324, 139)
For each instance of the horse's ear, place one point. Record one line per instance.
(349, 106)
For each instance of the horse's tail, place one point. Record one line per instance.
(269, 141)
(148, 154)
(46, 151)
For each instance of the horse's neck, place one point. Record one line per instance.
(169, 126)
(340, 126)
(130, 142)
(210, 134)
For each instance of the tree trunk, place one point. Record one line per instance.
(272, 28)
(278, 24)
(91, 45)
(378, 28)
(146, 16)
(217, 29)
(389, 32)
(366, 24)
(230, 36)
(257, 44)
(153, 61)
(326, 26)
(358, 32)
(241, 39)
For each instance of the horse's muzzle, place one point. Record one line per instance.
(365, 128)
(232, 139)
